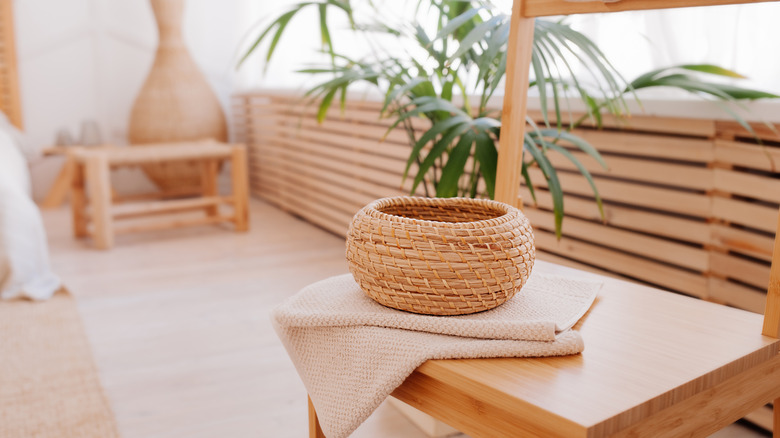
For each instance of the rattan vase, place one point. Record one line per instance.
(440, 256)
(175, 103)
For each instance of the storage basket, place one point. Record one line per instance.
(440, 256)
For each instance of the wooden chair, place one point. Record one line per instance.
(655, 363)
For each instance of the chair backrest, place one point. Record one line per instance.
(772, 311)
(510, 152)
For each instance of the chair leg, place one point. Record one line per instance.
(776, 422)
(314, 424)
(59, 190)
(78, 199)
(99, 186)
(240, 182)
(209, 175)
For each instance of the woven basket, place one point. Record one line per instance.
(440, 256)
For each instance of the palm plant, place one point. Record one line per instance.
(454, 62)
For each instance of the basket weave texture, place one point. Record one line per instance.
(440, 256)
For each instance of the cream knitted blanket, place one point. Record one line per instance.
(352, 352)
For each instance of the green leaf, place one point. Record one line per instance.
(528, 182)
(343, 100)
(553, 183)
(475, 35)
(487, 156)
(437, 129)
(279, 22)
(456, 22)
(489, 59)
(584, 171)
(283, 21)
(395, 92)
(325, 104)
(485, 123)
(427, 105)
(576, 141)
(740, 93)
(446, 90)
(436, 151)
(456, 163)
(541, 84)
(325, 32)
(712, 69)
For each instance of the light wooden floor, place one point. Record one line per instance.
(179, 326)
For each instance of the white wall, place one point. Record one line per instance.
(86, 60)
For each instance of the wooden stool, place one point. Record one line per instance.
(90, 180)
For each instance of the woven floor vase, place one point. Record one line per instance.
(175, 103)
(440, 256)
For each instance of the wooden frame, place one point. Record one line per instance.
(484, 398)
(10, 101)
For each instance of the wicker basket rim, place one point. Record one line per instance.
(509, 212)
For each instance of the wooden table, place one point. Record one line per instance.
(628, 361)
(93, 201)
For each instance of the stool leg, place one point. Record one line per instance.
(314, 424)
(78, 199)
(776, 422)
(240, 182)
(209, 172)
(59, 190)
(99, 186)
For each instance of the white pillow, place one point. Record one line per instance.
(24, 255)
(13, 167)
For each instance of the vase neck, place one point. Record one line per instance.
(168, 14)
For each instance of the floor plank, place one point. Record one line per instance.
(178, 322)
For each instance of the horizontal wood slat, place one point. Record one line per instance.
(689, 205)
(653, 124)
(736, 295)
(297, 124)
(648, 145)
(746, 271)
(743, 241)
(748, 185)
(663, 250)
(667, 174)
(134, 209)
(630, 192)
(748, 155)
(760, 217)
(731, 129)
(650, 222)
(658, 274)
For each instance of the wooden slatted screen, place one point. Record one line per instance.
(690, 205)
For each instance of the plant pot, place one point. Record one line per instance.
(440, 256)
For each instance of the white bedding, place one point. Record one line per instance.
(24, 253)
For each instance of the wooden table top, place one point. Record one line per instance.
(643, 347)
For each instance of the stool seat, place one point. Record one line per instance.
(156, 152)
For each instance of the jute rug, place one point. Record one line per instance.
(49, 385)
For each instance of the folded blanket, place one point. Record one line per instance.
(352, 352)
